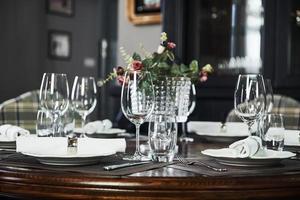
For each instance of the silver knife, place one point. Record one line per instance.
(112, 167)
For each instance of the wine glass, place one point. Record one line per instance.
(268, 108)
(84, 97)
(269, 96)
(249, 98)
(192, 105)
(54, 98)
(137, 103)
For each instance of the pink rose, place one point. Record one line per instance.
(171, 45)
(120, 79)
(203, 76)
(203, 79)
(137, 65)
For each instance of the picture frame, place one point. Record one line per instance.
(61, 7)
(142, 12)
(59, 45)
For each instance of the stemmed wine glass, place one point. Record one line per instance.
(192, 105)
(84, 97)
(269, 96)
(137, 103)
(268, 108)
(54, 98)
(249, 98)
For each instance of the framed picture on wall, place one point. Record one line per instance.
(60, 7)
(141, 12)
(59, 44)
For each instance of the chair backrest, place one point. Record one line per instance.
(287, 106)
(21, 111)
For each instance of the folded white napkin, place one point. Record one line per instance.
(59, 145)
(42, 145)
(10, 132)
(292, 137)
(246, 147)
(96, 126)
(100, 146)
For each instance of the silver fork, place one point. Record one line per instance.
(187, 162)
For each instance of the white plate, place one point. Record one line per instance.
(263, 158)
(68, 159)
(111, 131)
(215, 132)
(7, 144)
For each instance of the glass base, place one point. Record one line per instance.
(136, 157)
(162, 158)
(186, 139)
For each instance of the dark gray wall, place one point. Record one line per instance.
(84, 29)
(24, 27)
(21, 46)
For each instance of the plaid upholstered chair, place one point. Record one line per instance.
(21, 111)
(287, 106)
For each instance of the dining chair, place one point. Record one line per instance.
(287, 106)
(21, 110)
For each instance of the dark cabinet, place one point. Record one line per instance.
(287, 55)
(236, 36)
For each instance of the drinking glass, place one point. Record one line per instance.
(54, 98)
(84, 97)
(162, 137)
(43, 124)
(137, 103)
(192, 105)
(249, 98)
(272, 131)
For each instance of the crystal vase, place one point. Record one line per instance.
(172, 97)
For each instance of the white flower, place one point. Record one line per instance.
(160, 49)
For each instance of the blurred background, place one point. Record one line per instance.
(83, 37)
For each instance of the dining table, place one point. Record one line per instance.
(24, 177)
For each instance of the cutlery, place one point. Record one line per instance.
(118, 166)
(187, 162)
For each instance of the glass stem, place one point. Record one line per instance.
(137, 135)
(83, 121)
(55, 124)
(183, 129)
(249, 128)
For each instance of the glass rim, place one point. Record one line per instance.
(251, 75)
(50, 73)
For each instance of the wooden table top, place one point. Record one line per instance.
(162, 183)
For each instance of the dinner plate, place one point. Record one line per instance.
(261, 159)
(216, 132)
(222, 139)
(109, 133)
(7, 144)
(68, 159)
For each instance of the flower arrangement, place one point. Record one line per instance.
(160, 63)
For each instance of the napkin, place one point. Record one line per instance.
(246, 147)
(96, 126)
(57, 146)
(100, 146)
(292, 137)
(10, 133)
(42, 145)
